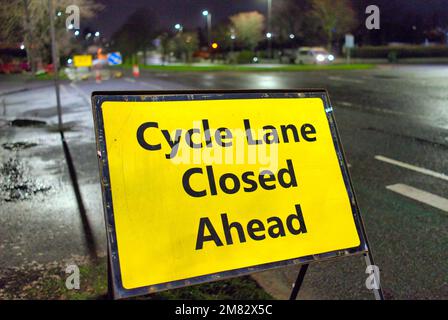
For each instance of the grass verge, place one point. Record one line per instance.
(37, 281)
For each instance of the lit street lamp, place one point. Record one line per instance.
(208, 15)
(178, 27)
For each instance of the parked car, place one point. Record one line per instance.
(13, 67)
(316, 55)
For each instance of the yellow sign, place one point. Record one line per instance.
(82, 60)
(201, 187)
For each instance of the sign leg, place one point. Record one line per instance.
(299, 281)
(110, 288)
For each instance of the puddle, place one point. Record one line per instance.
(27, 123)
(15, 146)
(15, 183)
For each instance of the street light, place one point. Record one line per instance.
(291, 36)
(97, 34)
(77, 33)
(269, 29)
(178, 27)
(208, 15)
(22, 47)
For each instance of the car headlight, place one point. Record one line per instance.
(320, 58)
(331, 57)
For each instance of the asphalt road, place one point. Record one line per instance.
(393, 122)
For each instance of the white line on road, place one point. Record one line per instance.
(345, 79)
(345, 103)
(420, 195)
(129, 80)
(412, 167)
(153, 86)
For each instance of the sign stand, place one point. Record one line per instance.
(299, 281)
(127, 279)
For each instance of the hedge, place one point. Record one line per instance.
(386, 52)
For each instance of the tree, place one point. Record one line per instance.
(184, 44)
(136, 33)
(291, 17)
(248, 27)
(335, 17)
(28, 22)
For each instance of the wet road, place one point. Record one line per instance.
(393, 123)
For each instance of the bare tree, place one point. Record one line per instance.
(248, 27)
(291, 17)
(335, 17)
(27, 21)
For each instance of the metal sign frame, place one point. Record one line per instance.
(116, 287)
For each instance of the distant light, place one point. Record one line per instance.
(59, 13)
(214, 45)
(70, 26)
(205, 13)
(291, 36)
(97, 34)
(331, 57)
(69, 61)
(77, 33)
(269, 35)
(177, 26)
(255, 59)
(233, 37)
(320, 58)
(88, 35)
(22, 47)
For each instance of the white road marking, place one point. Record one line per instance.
(380, 110)
(153, 86)
(64, 89)
(78, 89)
(412, 167)
(345, 79)
(129, 80)
(420, 195)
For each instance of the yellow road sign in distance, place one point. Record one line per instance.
(82, 60)
(203, 186)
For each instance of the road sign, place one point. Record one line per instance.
(82, 60)
(203, 186)
(349, 41)
(114, 58)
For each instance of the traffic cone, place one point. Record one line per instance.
(135, 71)
(98, 76)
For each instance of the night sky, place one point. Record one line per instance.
(170, 12)
(188, 12)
